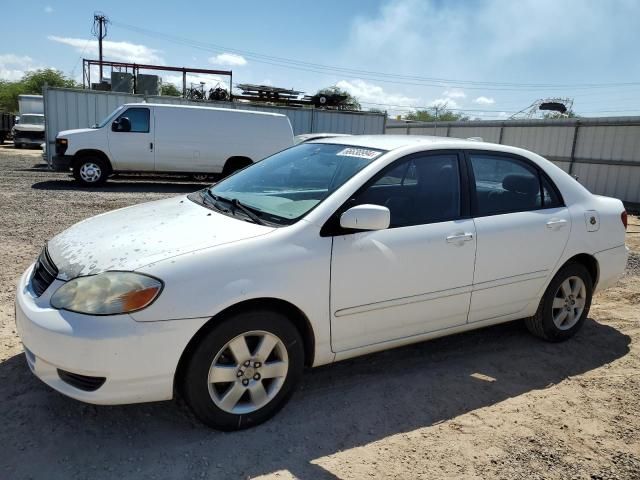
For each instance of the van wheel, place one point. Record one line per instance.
(244, 370)
(564, 306)
(90, 171)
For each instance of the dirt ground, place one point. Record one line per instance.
(494, 403)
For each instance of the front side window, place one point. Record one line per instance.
(139, 118)
(286, 186)
(504, 185)
(418, 190)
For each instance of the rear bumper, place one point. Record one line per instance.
(611, 265)
(61, 162)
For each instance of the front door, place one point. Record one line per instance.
(414, 277)
(522, 228)
(133, 149)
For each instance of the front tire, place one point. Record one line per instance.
(244, 370)
(90, 171)
(564, 306)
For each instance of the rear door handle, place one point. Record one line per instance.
(460, 237)
(556, 223)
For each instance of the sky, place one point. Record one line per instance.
(484, 58)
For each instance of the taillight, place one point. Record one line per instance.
(623, 217)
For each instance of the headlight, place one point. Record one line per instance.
(108, 293)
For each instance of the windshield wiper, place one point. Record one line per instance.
(236, 204)
(247, 211)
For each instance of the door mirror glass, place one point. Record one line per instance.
(366, 217)
(123, 124)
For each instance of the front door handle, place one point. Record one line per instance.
(556, 223)
(460, 237)
(151, 146)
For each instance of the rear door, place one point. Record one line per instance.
(134, 149)
(522, 229)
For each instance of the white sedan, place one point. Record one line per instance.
(328, 250)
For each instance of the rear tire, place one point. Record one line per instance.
(90, 171)
(564, 305)
(244, 370)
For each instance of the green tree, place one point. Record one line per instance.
(349, 103)
(170, 90)
(31, 83)
(429, 115)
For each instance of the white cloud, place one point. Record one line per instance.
(13, 67)
(454, 93)
(374, 96)
(119, 51)
(228, 59)
(494, 41)
(48, 9)
(482, 100)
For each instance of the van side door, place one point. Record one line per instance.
(132, 148)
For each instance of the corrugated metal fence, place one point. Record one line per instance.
(70, 108)
(604, 153)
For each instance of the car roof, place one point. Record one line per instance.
(393, 142)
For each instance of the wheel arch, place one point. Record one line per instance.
(590, 263)
(297, 317)
(88, 152)
(234, 163)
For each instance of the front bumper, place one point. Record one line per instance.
(18, 140)
(61, 162)
(138, 359)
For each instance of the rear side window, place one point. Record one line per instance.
(139, 118)
(505, 184)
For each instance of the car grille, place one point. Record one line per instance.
(44, 273)
(81, 382)
(29, 135)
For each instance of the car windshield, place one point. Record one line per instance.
(109, 117)
(286, 186)
(32, 120)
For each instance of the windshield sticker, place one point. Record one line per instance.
(359, 152)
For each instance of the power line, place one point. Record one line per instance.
(377, 76)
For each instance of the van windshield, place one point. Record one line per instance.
(286, 186)
(27, 119)
(109, 117)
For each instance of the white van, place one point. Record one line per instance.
(146, 137)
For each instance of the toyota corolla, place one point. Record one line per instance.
(325, 251)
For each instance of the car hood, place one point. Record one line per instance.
(132, 237)
(66, 133)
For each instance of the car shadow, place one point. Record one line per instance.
(338, 407)
(125, 184)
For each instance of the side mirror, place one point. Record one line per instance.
(123, 124)
(366, 217)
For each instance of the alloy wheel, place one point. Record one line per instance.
(248, 372)
(569, 302)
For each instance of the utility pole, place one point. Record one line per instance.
(99, 30)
